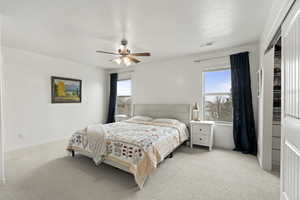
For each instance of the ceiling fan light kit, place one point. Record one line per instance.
(117, 60)
(127, 61)
(124, 55)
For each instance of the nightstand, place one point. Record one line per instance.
(202, 133)
(120, 118)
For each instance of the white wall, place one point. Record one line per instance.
(2, 175)
(180, 81)
(29, 116)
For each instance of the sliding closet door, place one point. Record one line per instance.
(290, 153)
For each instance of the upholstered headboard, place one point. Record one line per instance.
(181, 112)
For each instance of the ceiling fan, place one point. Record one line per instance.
(124, 55)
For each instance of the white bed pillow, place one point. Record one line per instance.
(166, 121)
(141, 118)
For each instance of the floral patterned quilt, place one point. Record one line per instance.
(139, 146)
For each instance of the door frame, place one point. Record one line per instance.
(274, 25)
(266, 111)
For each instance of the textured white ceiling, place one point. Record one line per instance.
(75, 29)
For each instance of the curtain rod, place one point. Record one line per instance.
(216, 57)
(121, 72)
(211, 58)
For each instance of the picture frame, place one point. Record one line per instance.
(65, 90)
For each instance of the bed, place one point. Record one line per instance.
(135, 146)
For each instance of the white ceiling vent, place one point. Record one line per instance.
(207, 44)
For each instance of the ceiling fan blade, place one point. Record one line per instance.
(133, 59)
(99, 51)
(140, 54)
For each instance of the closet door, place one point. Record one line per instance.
(290, 141)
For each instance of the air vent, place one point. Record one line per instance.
(207, 44)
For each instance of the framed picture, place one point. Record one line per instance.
(65, 90)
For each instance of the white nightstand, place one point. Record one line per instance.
(202, 133)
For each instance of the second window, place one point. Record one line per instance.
(217, 97)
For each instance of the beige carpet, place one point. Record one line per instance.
(46, 172)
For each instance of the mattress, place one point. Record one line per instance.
(136, 146)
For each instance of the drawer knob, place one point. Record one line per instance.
(200, 138)
(200, 129)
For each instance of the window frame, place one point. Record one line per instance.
(213, 94)
(130, 113)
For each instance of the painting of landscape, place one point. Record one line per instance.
(65, 90)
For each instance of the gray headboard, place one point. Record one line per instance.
(181, 112)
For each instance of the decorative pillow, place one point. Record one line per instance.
(141, 118)
(166, 121)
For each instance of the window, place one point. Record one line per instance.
(123, 107)
(217, 95)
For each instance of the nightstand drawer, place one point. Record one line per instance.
(201, 129)
(200, 139)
